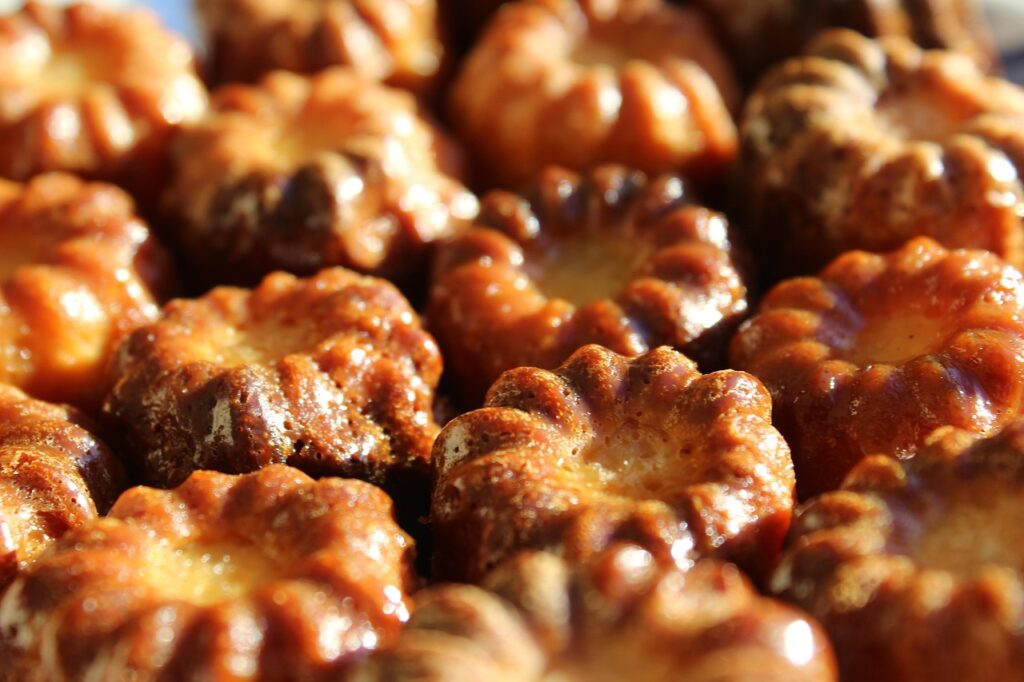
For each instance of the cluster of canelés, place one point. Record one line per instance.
(649, 456)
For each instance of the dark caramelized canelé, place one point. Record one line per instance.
(609, 257)
(620, 617)
(331, 374)
(583, 82)
(914, 567)
(93, 91)
(55, 475)
(864, 144)
(879, 350)
(299, 173)
(266, 576)
(397, 41)
(78, 272)
(606, 449)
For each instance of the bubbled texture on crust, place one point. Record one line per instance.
(619, 618)
(606, 449)
(765, 32)
(54, 475)
(331, 374)
(835, 404)
(300, 173)
(637, 82)
(863, 144)
(78, 271)
(684, 285)
(396, 41)
(91, 90)
(90, 609)
(853, 562)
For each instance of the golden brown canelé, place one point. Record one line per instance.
(760, 34)
(611, 257)
(863, 144)
(608, 449)
(583, 82)
(300, 173)
(879, 350)
(914, 567)
(54, 475)
(78, 271)
(396, 41)
(331, 374)
(92, 91)
(620, 617)
(267, 576)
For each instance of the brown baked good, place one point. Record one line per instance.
(331, 374)
(583, 82)
(863, 144)
(621, 617)
(760, 34)
(878, 351)
(914, 567)
(269, 576)
(78, 271)
(607, 449)
(610, 257)
(300, 173)
(94, 91)
(54, 475)
(396, 41)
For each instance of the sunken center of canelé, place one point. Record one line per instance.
(921, 113)
(638, 460)
(267, 341)
(585, 267)
(207, 573)
(981, 525)
(896, 339)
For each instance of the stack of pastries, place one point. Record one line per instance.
(451, 340)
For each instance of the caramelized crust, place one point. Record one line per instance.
(583, 82)
(54, 475)
(268, 576)
(621, 617)
(78, 271)
(762, 33)
(914, 567)
(878, 351)
(330, 374)
(864, 144)
(397, 41)
(299, 173)
(606, 448)
(93, 91)
(610, 258)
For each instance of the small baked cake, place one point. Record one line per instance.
(78, 271)
(878, 351)
(397, 41)
(762, 33)
(300, 173)
(331, 374)
(92, 90)
(914, 567)
(54, 475)
(268, 576)
(583, 82)
(620, 617)
(610, 257)
(864, 144)
(608, 449)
